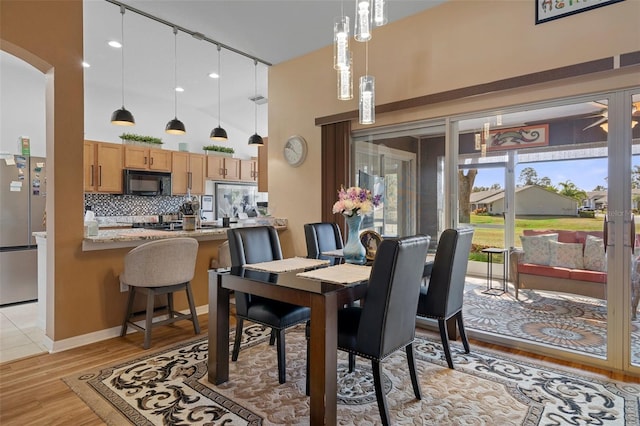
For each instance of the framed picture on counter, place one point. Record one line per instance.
(235, 198)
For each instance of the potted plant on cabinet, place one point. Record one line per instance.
(218, 150)
(133, 139)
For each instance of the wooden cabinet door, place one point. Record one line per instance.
(160, 160)
(179, 172)
(263, 154)
(136, 157)
(109, 176)
(248, 170)
(90, 168)
(232, 169)
(197, 167)
(215, 167)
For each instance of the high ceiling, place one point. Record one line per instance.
(271, 30)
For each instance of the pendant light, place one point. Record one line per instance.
(362, 28)
(367, 102)
(345, 81)
(379, 12)
(341, 42)
(255, 139)
(218, 134)
(122, 117)
(175, 126)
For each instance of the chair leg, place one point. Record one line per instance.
(282, 362)
(412, 370)
(272, 338)
(463, 334)
(352, 362)
(382, 402)
(170, 305)
(149, 318)
(192, 308)
(445, 342)
(132, 294)
(236, 342)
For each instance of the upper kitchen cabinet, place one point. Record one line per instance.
(139, 157)
(188, 172)
(102, 167)
(223, 168)
(249, 170)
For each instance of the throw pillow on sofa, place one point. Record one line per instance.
(594, 256)
(536, 248)
(566, 255)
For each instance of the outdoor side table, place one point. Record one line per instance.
(490, 251)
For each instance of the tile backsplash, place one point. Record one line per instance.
(132, 205)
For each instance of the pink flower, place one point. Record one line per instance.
(355, 200)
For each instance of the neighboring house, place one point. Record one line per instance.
(597, 200)
(531, 200)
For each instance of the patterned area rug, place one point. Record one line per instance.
(567, 321)
(170, 387)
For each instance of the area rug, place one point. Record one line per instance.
(562, 320)
(486, 388)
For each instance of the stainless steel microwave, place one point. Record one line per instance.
(142, 182)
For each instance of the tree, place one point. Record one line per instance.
(495, 187)
(570, 189)
(600, 188)
(465, 183)
(528, 176)
(635, 177)
(545, 182)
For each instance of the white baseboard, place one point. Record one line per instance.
(97, 336)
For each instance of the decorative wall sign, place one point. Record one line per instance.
(518, 137)
(547, 10)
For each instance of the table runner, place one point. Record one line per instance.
(285, 265)
(345, 273)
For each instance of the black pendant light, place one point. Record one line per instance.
(175, 126)
(255, 139)
(122, 117)
(218, 134)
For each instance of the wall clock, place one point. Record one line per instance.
(295, 150)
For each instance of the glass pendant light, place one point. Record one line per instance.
(341, 42)
(122, 117)
(362, 28)
(367, 101)
(345, 81)
(175, 126)
(379, 12)
(218, 134)
(255, 139)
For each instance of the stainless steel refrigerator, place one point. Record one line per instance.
(22, 204)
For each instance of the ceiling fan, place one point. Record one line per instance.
(604, 116)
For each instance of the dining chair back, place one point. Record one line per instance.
(158, 268)
(254, 245)
(387, 322)
(322, 237)
(442, 299)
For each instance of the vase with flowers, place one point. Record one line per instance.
(353, 203)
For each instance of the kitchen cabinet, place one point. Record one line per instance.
(142, 158)
(187, 172)
(223, 168)
(103, 167)
(249, 170)
(263, 156)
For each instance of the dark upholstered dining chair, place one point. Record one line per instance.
(387, 321)
(321, 237)
(442, 298)
(255, 245)
(157, 268)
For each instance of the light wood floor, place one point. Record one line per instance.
(32, 392)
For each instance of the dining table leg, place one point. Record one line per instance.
(218, 354)
(323, 359)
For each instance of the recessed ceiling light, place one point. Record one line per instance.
(116, 44)
(214, 75)
(179, 89)
(86, 64)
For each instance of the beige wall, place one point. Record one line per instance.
(454, 45)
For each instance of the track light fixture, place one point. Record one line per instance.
(255, 139)
(175, 126)
(218, 134)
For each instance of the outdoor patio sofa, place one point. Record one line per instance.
(560, 260)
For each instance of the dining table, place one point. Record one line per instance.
(323, 293)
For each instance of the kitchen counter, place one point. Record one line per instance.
(132, 237)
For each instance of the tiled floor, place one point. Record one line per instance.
(19, 336)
